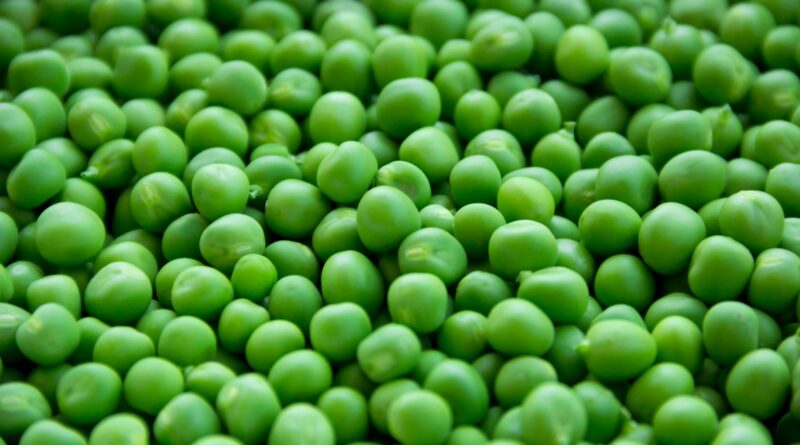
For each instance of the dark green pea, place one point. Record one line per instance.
(539, 418)
(507, 240)
(619, 27)
(383, 147)
(119, 293)
(659, 384)
(192, 71)
(22, 274)
(158, 199)
(776, 142)
(45, 111)
(129, 252)
(296, 299)
(24, 405)
(216, 127)
(186, 418)
(617, 350)
(398, 57)
(779, 47)
(344, 175)
(668, 236)
(181, 110)
(142, 114)
(773, 282)
(238, 321)
(278, 19)
(463, 335)
(607, 113)
(499, 145)
(426, 21)
(721, 74)
(429, 359)
(635, 188)
(530, 115)
(780, 183)
(141, 71)
(680, 44)
(207, 379)
(310, 160)
(640, 123)
(275, 127)
(107, 14)
(679, 340)
(608, 227)
(713, 258)
(581, 54)
(181, 238)
(87, 393)
(477, 111)
(336, 232)
(579, 191)
(503, 85)
(159, 149)
(385, 216)
(91, 329)
(542, 286)
(299, 422)
(349, 276)
(684, 96)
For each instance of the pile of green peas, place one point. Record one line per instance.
(424, 222)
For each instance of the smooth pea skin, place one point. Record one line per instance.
(679, 340)
(421, 417)
(23, 406)
(433, 250)
(337, 329)
(685, 419)
(635, 187)
(151, 383)
(657, 385)
(608, 227)
(775, 282)
(418, 300)
(517, 327)
(719, 269)
(220, 189)
(754, 218)
(758, 383)
(185, 419)
(668, 236)
(120, 428)
(617, 350)
(553, 412)
(49, 336)
(389, 352)
(294, 208)
(560, 292)
(730, 330)
(69, 234)
(346, 174)
(693, 178)
(302, 422)
(248, 406)
(521, 198)
(581, 55)
(385, 216)
(88, 392)
(119, 293)
(36, 178)
(508, 242)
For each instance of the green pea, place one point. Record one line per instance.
(518, 236)
(88, 72)
(721, 74)
(117, 428)
(543, 414)
(407, 105)
(188, 36)
(121, 347)
(603, 147)
(780, 183)
(764, 399)
(656, 386)
(300, 49)
(542, 287)
(129, 252)
(564, 356)
(237, 322)
(345, 175)
(717, 257)
(602, 410)
(348, 321)
(336, 232)
(230, 78)
(300, 376)
(45, 111)
(579, 190)
(745, 174)
(140, 71)
(187, 340)
(293, 258)
(90, 329)
(480, 291)
(69, 234)
(463, 335)
(294, 298)
(607, 113)
(183, 108)
(778, 49)
(302, 421)
(111, 165)
(88, 393)
(48, 430)
(730, 330)
(609, 227)
(519, 376)
(23, 406)
(181, 238)
(476, 111)
(641, 121)
(385, 216)
(229, 238)
(435, 251)
(41, 68)
(692, 416)
(248, 406)
(636, 187)
(773, 284)
(618, 350)
(185, 419)
(270, 341)
(85, 193)
(141, 114)
(59, 289)
(776, 142)
(37, 177)
(408, 307)
(571, 99)
(119, 293)
(216, 127)
(348, 276)
(390, 351)
(618, 26)
(694, 191)
(753, 218)
(159, 149)
(49, 336)
(676, 303)
(151, 383)
(640, 76)
(158, 199)
(763, 102)
(253, 46)
(684, 96)
(73, 159)
(294, 208)
(581, 54)
(94, 121)
(517, 327)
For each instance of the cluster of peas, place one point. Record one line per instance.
(419, 221)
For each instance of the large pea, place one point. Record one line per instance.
(462, 387)
(36, 178)
(617, 350)
(657, 385)
(754, 218)
(385, 216)
(551, 413)
(720, 269)
(679, 340)
(346, 174)
(629, 179)
(603, 411)
(758, 383)
(560, 292)
(668, 237)
(730, 330)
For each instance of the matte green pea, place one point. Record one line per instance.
(636, 187)
(692, 416)
(389, 352)
(187, 340)
(385, 216)
(120, 347)
(186, 418)
(49, 336)
(270, 341)
(730, 330)
(521, 236)
(517, 327)
(88, 393)
(302, 421)
(69, 234)
(159, 149)
(602, 410)
(541, 423)
(119, 427)
(216, 127)
(617, 350)
(581, 54)
(37, 177)
(23, 406)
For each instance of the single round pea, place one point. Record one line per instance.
(50, 431)
(41, 68)
(602, 410)
(294, 298)
(253, 46)
(119, 428)
(248, 406)
(349, 276)
(37, 177)
(607, 113)
(603, 147)
(656, 386)
(753, 218)
(69, 234)
(398, 57)
(293, 258)
(480, 291)
(581, 54)
(433, 250)
(49, 336)
(88, 392)
(678, 184)
(73, 158)
(560, 292)
(185, 419)
(229, 238)
(23, 405)
(408, 178)
(617, 350)
(721, 74)
(775, 142)
(158, 199)
(60, 289)
(390, 351)
(517, 327)
(187, 340)
(636, 187)
(640, 76)
(719, 269)
(406, 105)
(216, 127)
(501, 44)
(346, 174)
(300, 376)
(119, 293)
(573, 255)
(300, 49)
(271, 341)
(609, 227)
(693, 417)
(730, 330)
(521, 198)
(337, 329)
(208, 378)
(202, 292)
(431, 150)
(294, 208)
(181, 238)
(385, 216)
(337, 232)
(668, 236)
(518, 236)
(571, 99)
(758, 383)
(237, 322)
(141, 114)
(544, 414)
(640, 123)
(159, 149)
(301, 421)
(774, 284)
(120, 347)
(476, 111)
(129, 252)
(781, 184)
(111, 165)
(140, 71)
(151, 383)
(226, 86)
(418, 300)
(91, 329)
(778, 49)
(745, 174)
(500, 146)
(95, 120)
